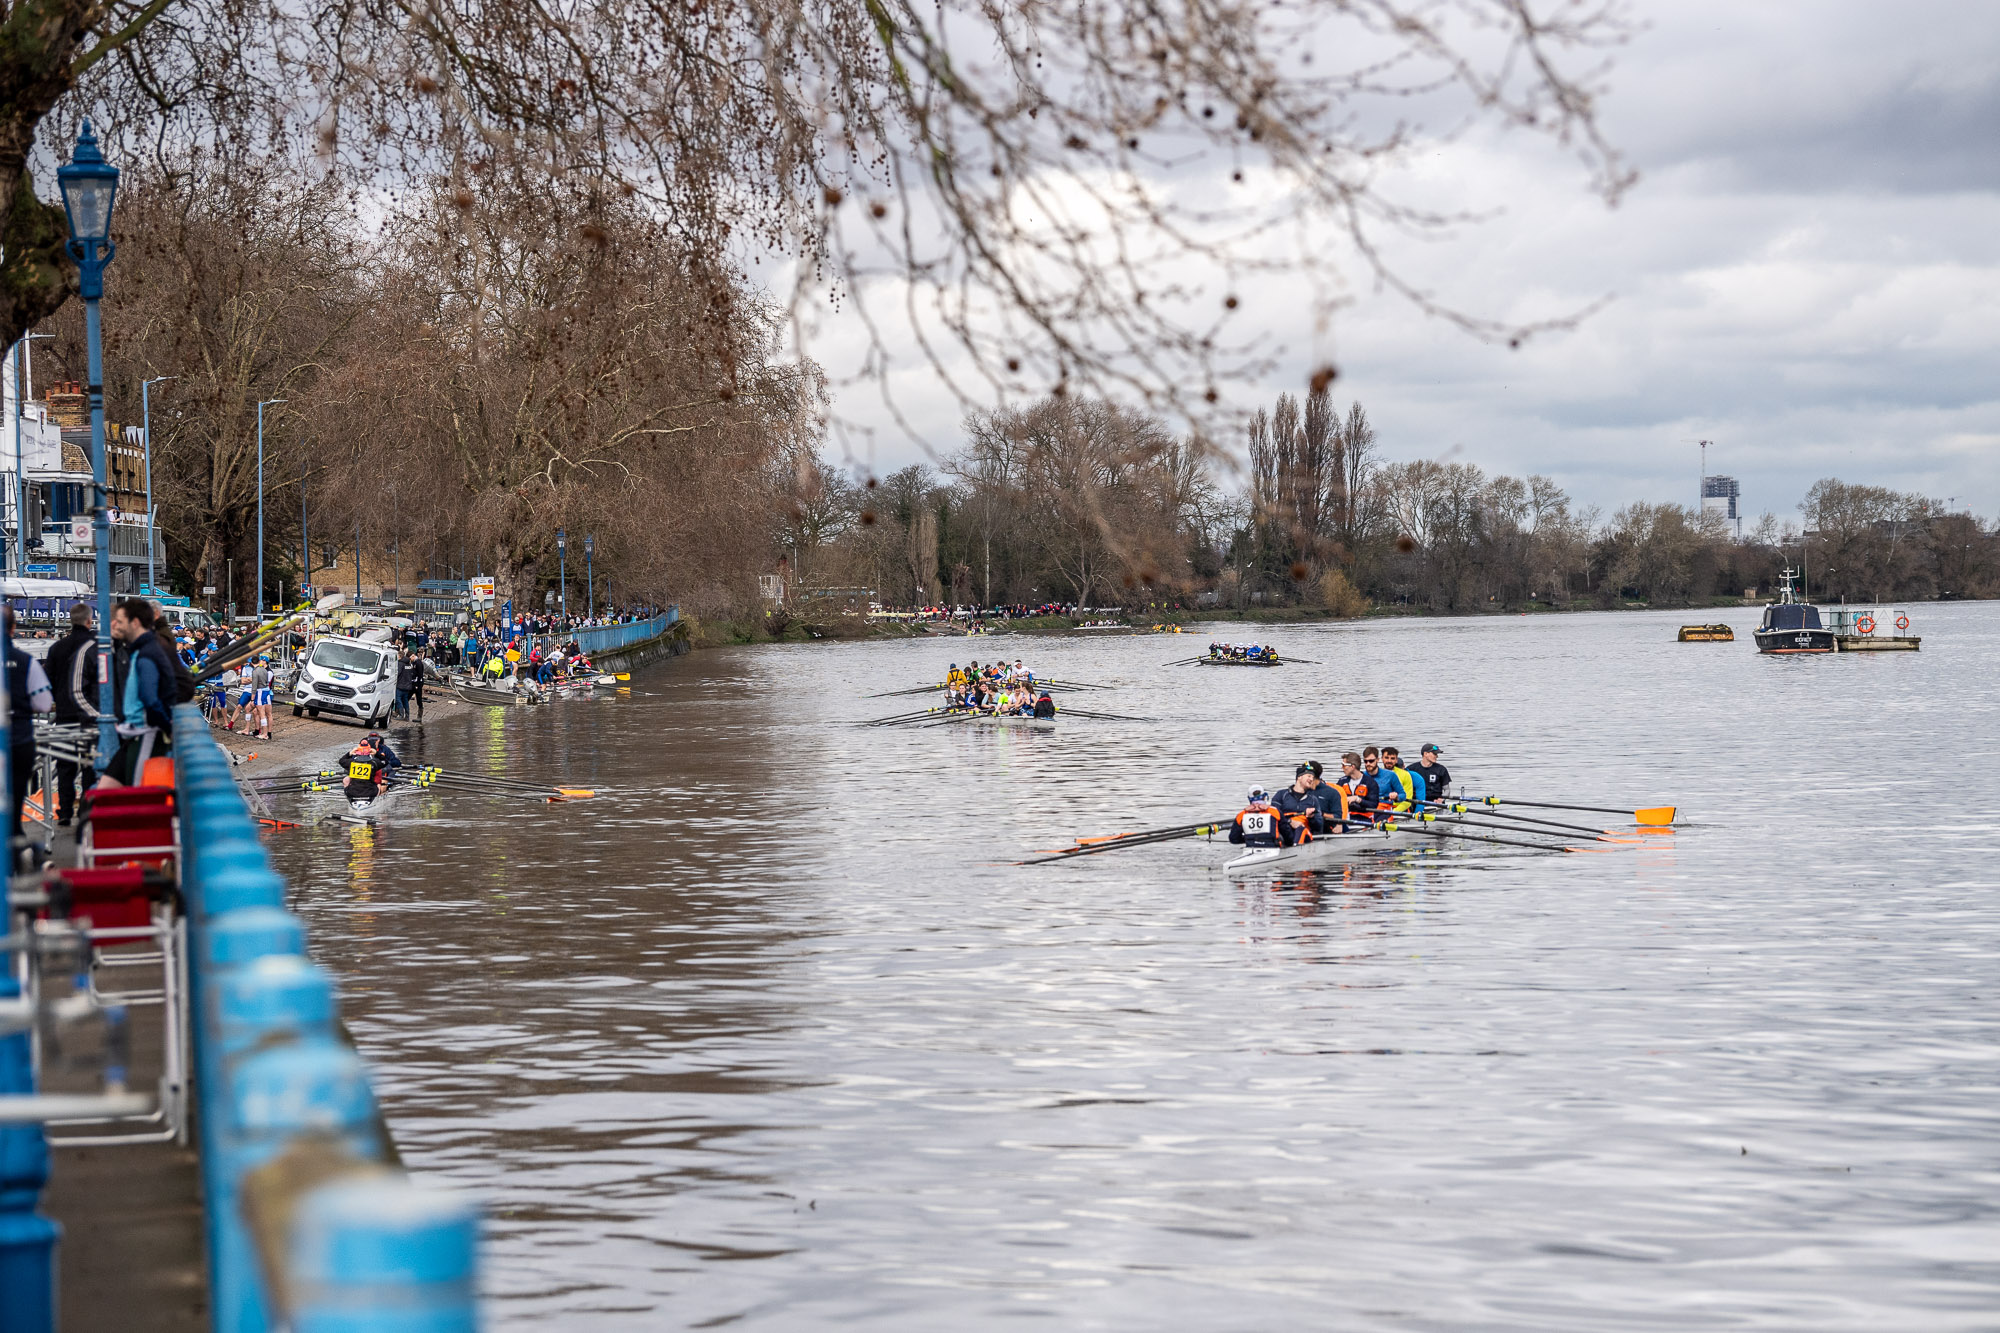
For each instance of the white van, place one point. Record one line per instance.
(352, 677)
(185, 617)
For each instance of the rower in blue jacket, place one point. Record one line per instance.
(1381, 780)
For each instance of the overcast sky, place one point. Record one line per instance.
(1807, 274)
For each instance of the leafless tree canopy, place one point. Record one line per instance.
(1020, 170)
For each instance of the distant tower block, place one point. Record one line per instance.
(1719, 496)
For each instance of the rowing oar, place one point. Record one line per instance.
(963, 715)
(474, 789)
(1070, 685)
(1393, 827)
(896, 694)
(900, 717)
(1460, 808)
(1120, 837)
(232, 653)
(1656, 815)
(1573, 830)
(512, 784)
(1135, 840)
(1103, 717)
(1185, 661)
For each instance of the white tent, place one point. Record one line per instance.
(43, 588)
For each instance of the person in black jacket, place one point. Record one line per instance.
(28, 694)
(72, 668)
(409, 676)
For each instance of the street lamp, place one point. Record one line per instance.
(20, 472)
(146, 438)
(590, 575)
(268, 402)
(562, 567)
(89, 190)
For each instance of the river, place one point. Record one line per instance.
(771, 1033)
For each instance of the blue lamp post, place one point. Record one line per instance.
(590, 575)
(562, 567)
(268, 402)
(89, 190)
(146, 437)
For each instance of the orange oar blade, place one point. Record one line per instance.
(1659, 814)
(575, 791)
(1108, 837)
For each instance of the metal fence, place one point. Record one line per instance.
(604, 638)
(310, 1226)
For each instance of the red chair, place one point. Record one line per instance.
(128, 826)
(119, 908)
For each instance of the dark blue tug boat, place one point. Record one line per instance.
(1792, 627)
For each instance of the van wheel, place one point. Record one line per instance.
(313, 713)
(298, 711)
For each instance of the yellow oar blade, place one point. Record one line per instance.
(574, 791)
(1659, 814)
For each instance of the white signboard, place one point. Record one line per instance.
(79, 531)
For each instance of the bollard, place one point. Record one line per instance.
(383, 1256)
(278, 1097)
(27, 1239)
(277, 995)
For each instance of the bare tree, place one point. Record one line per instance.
(1016, 165)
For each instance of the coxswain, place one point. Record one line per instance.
(1259, 824)
(1436, 776)
(1045, 706)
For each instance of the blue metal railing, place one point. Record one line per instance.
(308, 1225)
(604, 638)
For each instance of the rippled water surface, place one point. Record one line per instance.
(771, 1033)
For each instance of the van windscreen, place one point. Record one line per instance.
(345, 657)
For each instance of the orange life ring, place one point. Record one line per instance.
(1866, 624)
(1902, 622)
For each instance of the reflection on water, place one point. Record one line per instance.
(774, 1034)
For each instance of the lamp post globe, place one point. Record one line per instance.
(90, 189)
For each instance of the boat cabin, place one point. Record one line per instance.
(1787, 616)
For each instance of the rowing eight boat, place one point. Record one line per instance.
(1327, 849)
(1013, 720)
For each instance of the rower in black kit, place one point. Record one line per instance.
(1436, 776)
